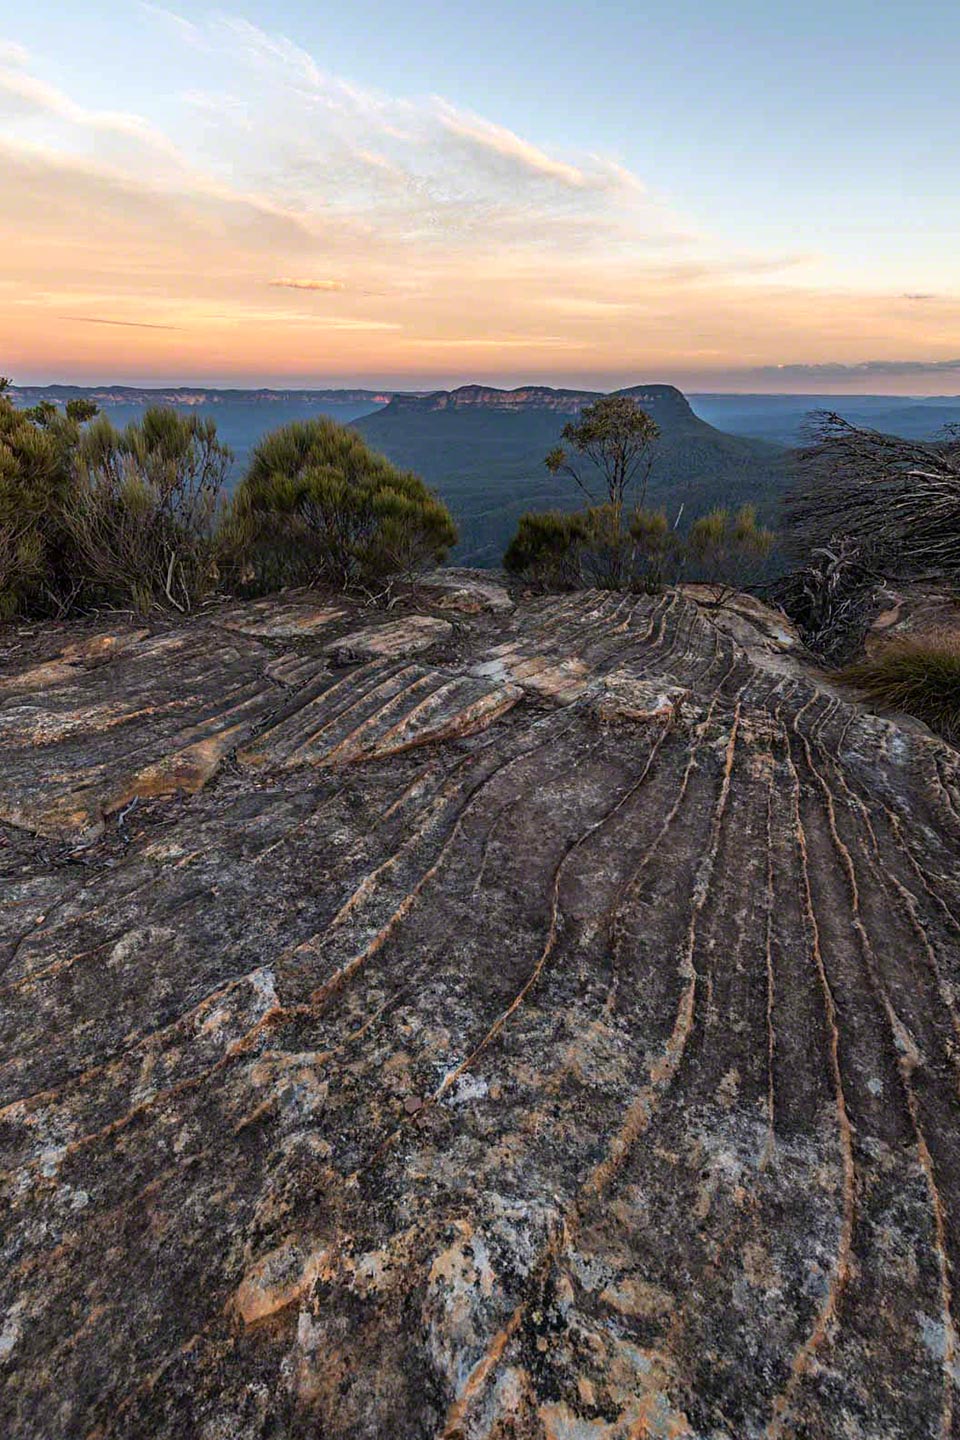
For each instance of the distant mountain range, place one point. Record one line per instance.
(109, 396)
(487, 397)
(483, 449)
(785, 418)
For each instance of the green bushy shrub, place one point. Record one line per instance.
(94, 515)
(318, 504)
(726, 552)
(143, 516)
(658, 554)
(37, 481)
(557, 550)
(546, 549)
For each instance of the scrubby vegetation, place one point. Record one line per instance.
(725, 552)
(556, 550)
(865, 508)
(93, 515)
(318, 504)
(610, 546)
(38, 480)
(899, 499)
(143, 518)
(919, 674)
(597, 547)
(546, 551)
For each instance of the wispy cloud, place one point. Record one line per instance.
(25, 95)
(490, 139)
(836, 370)
(428, 236)
(325, 285)
(178, 25)
(13, 54)
(125, 324)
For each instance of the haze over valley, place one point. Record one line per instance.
(483, 449)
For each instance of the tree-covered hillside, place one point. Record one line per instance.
(484, 454)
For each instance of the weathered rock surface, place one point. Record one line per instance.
(392, 639)
(455, 1056)
(466, 591)
(281, 619)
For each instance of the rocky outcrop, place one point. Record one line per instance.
(537, 397)
(468, 591)
(552, 1035)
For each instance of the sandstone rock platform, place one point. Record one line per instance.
(553, 1035)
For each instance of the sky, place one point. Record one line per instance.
(757, 195)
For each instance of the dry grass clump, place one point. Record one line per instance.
(919, 675)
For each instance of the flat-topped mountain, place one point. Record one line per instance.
(658, 400)
(503, 1017)
(483, 450)
(664, 398)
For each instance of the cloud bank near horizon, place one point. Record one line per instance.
(287, 224)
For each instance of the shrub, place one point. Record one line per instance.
(557, 550)
(898, 499)
(920, 675)
(726, 551)
(563, 551)
(142, 518)
(547, 549)
(659, 550)
(832, 598)
(37, 480)
(318, 504)
(92, 514)
(864, 508)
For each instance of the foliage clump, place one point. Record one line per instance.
(318, 505)
(919, 675)
(611, 546)
(595, 547)
(725, 551)
(614, 444)
(92, 515)
(547, 549)
(37, 483)
(143, 515)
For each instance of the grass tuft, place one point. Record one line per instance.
(919, 675)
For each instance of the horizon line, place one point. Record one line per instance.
(371, 389)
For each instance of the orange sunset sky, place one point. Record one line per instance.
(285, 196)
